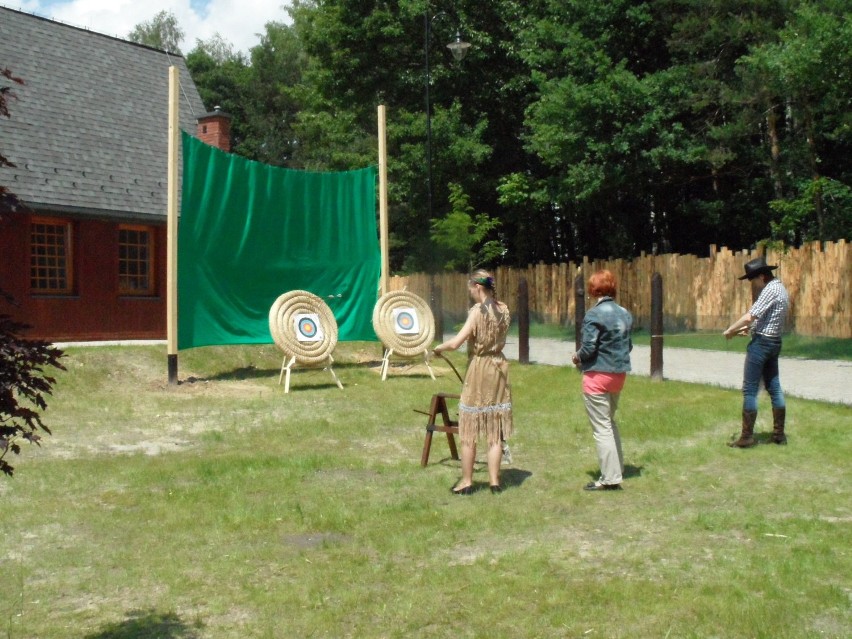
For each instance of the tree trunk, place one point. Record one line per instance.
(774, 152)
(812, 158)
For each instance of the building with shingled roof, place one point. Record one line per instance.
(85, 259)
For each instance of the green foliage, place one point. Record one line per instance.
(797, 218)
(530, 211)
(222, 77)
(219, 50)
(585, 127)
(273, 101)
(161, 32)
(805, 73)
(461, 236)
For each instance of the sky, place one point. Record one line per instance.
(237, 21)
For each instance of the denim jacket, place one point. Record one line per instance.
(606, 343)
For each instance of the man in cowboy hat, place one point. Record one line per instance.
(765, 320)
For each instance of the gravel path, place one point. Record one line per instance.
(825, 380)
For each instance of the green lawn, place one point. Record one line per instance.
(224, 508)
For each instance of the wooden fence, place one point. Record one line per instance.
(700, 294)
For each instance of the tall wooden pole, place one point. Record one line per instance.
(579, 308)
(383, 197)
(657, 327)
(172, 228)
(436, 303)
(523, 321)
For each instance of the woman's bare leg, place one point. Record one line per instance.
(495, 455)
(468, 456)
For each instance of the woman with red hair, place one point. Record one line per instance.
(604, 358)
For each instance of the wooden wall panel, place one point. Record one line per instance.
(95, 310)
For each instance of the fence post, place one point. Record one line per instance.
(579, 308)
(657, 327)
(523, 322)
(437, 306)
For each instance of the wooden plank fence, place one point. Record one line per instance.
(700, 294)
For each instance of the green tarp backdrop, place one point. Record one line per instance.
(250, 232)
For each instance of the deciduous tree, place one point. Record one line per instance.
(161, 32)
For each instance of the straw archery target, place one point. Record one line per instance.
(303, 326)
(404, 323)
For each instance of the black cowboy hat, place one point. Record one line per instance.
(756, 267)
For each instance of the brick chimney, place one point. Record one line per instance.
(214, 128)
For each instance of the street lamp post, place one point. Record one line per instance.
(458, 48)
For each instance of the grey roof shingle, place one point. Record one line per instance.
(89, 129)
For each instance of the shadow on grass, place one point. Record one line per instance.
(509, 477)
(630, 472)
(513, 477)
(245, 372)
(250, 372)
(765, 438)
(296, 384)
(148, 624)
(253, 372)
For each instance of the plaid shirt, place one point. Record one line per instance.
(770, 309)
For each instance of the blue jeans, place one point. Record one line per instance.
(762, 362)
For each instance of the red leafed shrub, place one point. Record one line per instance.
(24, 383)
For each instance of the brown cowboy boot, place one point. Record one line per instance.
(779, 415)
(746, 439)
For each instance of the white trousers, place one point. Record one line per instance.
(601, 411)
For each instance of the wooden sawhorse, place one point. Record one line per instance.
(439, 405)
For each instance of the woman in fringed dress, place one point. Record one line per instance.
(485, 407)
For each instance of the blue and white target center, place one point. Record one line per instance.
(405, 321)
(307, 327)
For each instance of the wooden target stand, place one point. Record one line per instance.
(287, 367)
(386, 363)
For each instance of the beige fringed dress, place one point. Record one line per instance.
(485, 407)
